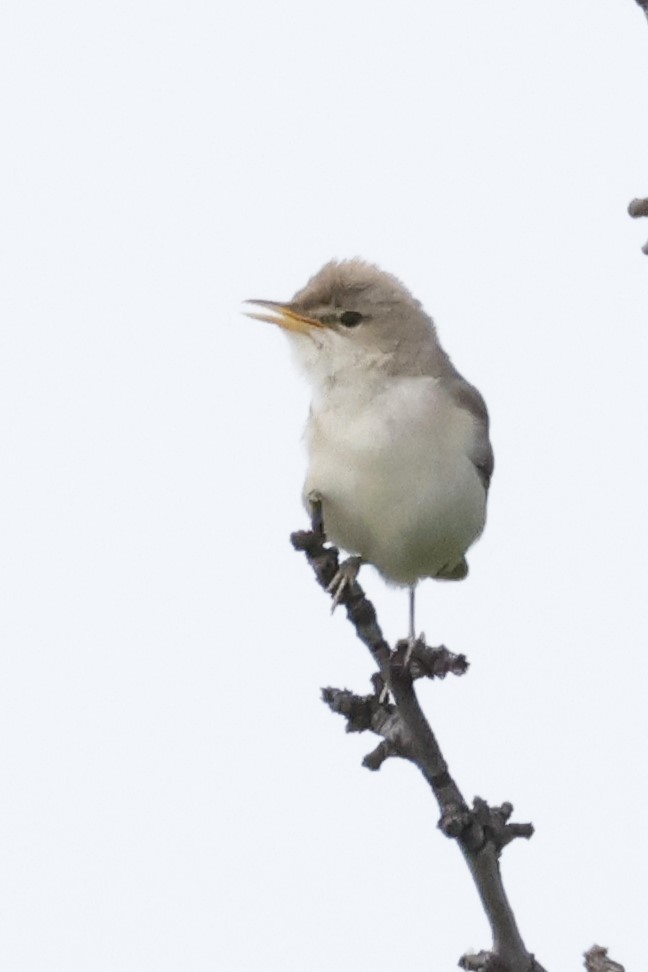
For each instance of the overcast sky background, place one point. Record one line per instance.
(174, 794)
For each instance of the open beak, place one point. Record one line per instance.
(284, 316)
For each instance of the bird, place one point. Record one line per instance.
(399, 454)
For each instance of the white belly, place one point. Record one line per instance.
(397, 484)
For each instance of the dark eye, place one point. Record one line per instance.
(350, 318)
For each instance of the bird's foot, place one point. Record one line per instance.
(412, 642)
(407, 645)
(345, 575)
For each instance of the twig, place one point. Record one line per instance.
(596, 960)
(639, 207)
(481, 832)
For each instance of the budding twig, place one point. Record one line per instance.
(481, 831)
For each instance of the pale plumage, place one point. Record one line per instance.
(398, 487)
(398, 446)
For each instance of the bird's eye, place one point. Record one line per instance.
(350, 318)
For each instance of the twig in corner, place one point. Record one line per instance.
(639, 207)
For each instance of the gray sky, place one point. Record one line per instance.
(175, 794)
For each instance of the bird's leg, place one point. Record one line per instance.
(346, 574)
(412, 628)
(411, 641)
(314, 499)
(348, 569)
(411, 638)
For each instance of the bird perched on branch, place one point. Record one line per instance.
(398, 448)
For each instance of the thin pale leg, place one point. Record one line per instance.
(346, 574)
(314, 500)
(411, 638)
(412, 606)
(412, 627)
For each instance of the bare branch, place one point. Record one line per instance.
(494, 821)
(481, 832)
(638, 207)
(596, 960)
(427, 662)
(361, 613)
(375, 759)
(481, 962)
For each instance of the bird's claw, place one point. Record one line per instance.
(410, 644)
(346, 574)
(412, 641)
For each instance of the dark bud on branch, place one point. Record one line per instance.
(639, 207)
(596, 960)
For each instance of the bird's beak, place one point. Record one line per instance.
(284, 316)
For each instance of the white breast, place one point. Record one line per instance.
(392, 466)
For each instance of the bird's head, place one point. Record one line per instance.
(351, 315)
